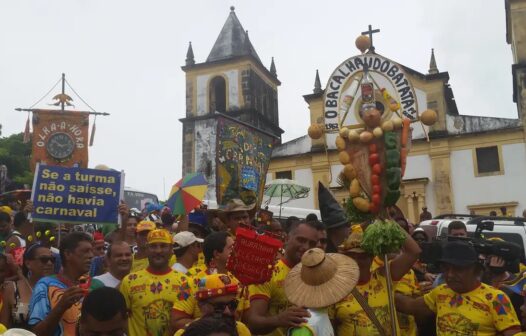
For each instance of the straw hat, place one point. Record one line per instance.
(235, 205)
(321, 279)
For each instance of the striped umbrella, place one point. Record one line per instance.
(187, 193)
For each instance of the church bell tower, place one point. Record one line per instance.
(232, 81)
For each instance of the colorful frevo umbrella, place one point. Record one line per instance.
(187, 194)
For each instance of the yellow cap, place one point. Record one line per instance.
(159, 236)
(145, 225)
(214, 285)
(7, 210)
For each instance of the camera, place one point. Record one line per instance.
(510, 252)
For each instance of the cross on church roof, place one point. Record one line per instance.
(370, 32)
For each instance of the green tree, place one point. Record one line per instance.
(15, 154)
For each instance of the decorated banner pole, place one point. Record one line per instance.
(369, 121)
(60, 136)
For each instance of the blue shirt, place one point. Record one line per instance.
(45, 297)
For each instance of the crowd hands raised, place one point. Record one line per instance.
(158, 275)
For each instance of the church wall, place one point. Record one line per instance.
(418, 167)
(202, 95)
(205, 153)
(232, 90)
(508, 187)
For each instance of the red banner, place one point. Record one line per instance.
(60, 138)
(253, 258)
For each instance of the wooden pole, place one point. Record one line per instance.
(89, 112)
(62, 101)
(390, 296)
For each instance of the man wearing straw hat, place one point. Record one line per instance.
(320, 281)
(270, 312)
(235, 214)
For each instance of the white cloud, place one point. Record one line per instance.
(124, 58)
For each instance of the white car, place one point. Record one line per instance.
(510, 229)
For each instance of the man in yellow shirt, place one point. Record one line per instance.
(140, 258)
(464, 306)
(216, 297)
(270, 311)
(151, 292)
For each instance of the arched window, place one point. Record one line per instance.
(217, 94)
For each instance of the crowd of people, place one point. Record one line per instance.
(160, 275)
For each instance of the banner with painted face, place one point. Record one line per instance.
(60, 138)
(76, 195)
(243, 156)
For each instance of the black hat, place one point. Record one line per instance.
(458, 253)
(332, 214)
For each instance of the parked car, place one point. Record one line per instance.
(510, 229)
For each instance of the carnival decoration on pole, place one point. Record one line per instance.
(60, 136)
(369, 108)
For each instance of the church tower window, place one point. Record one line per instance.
(217, 94)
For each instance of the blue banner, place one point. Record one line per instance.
(76, 195)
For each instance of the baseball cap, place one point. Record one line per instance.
(184, 239)
(145, 225)
(215, 285)
(159, 236)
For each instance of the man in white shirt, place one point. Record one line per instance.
(119, 259)
(186, 248)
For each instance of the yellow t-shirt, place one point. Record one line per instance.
(241, 328)
(482, 312)
(150, 297)
(200, 260)
(352, 319)
(140, 264)
(188, 303)
(272, 291)
(408, 285)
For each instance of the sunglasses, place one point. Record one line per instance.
(45, 259)
(220, 306)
